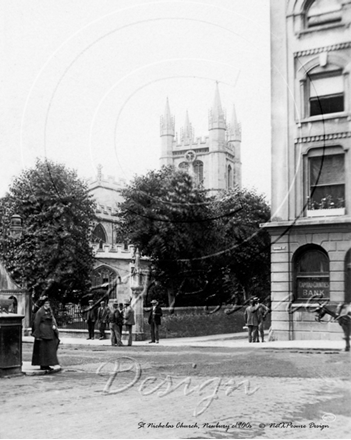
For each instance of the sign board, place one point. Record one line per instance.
(313, 286)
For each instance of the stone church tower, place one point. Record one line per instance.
(213, 161)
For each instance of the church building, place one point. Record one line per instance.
(213, 161)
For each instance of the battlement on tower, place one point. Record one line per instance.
(200, 141)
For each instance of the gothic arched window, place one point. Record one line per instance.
(198, 171)
(229, 177)
(99, 235)
(104, 275)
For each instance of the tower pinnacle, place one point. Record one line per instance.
(187, 132)
(167, 122)
(234, 128)
(216, 115)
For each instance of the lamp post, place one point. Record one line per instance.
(9, 227)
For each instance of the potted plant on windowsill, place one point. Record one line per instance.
(326, 207)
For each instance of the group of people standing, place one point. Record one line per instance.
(255, 315)
(46, 335)
(121, 314)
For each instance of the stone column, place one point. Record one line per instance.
(137, 298)
(138, 307)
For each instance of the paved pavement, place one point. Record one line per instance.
(225, 340)
(232, 340)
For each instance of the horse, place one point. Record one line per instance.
(344, 319)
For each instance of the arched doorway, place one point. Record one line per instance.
(311, 273)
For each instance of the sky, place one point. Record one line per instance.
(84, 82)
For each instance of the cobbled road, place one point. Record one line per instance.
(181, 392)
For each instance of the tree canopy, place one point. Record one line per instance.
(54, 249)
(199, 245)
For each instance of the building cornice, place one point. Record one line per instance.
(322, 137)
(316, 50)
(320, 222)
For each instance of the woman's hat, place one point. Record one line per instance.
(127, 301)
(154, 301)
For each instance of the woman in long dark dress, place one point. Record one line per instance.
(46, 338)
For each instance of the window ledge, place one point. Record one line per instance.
(325, 212)
(321, 27)
(318, 118)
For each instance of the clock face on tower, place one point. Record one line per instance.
(190, 156)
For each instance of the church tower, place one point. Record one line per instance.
(213, 161)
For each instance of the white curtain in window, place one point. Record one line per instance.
(331, 85)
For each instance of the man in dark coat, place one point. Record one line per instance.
(90, 316)
(261, 313)
(116, 323)
(128, 320)
(252, 320)
(46, 338)
(103, 315)
(155, 321)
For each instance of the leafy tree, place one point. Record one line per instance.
(53, 253)
(199, 244)
(167, 219)
(243, 247)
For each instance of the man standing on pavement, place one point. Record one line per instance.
(251, 320)
(262, 313)
(155, 321)
(128, 320)
(116, 322)
(103, 314)
(90, 316)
